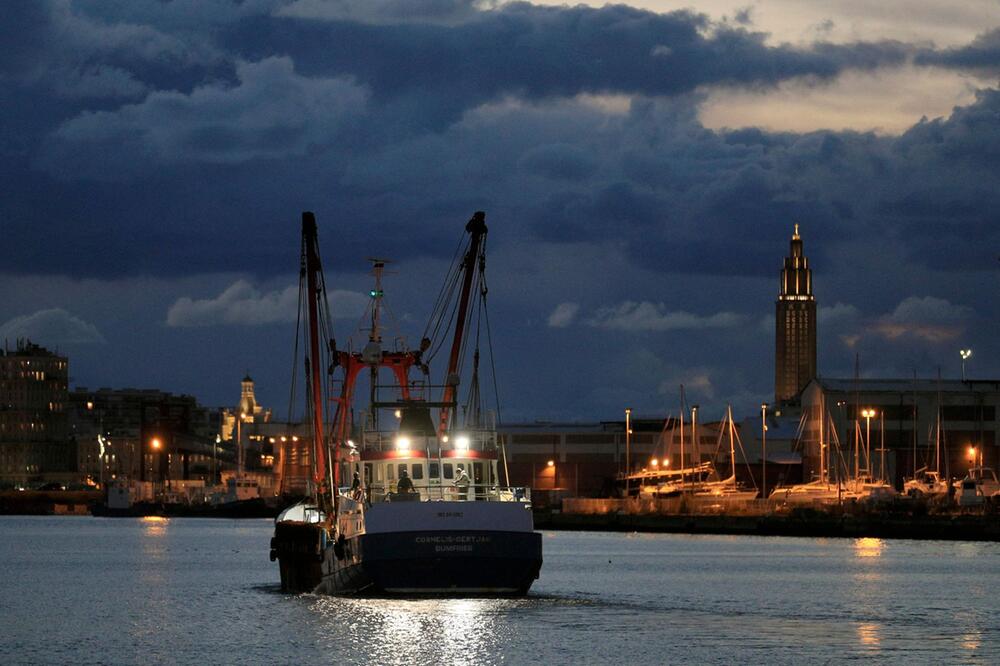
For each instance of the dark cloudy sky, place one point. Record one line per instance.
(641, 167)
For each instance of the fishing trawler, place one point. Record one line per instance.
(425, 512)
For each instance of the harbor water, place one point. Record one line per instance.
(87, 590)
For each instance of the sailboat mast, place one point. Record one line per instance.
(315, 381)
(732, 448)
(682, 436)
(937, 435)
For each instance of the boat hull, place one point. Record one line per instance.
(428, 562)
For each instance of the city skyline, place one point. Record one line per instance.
(157, 157)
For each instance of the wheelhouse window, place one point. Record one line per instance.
(418, 471)
(402, 469)
(449, 471)
(390, 472)
(433, 470)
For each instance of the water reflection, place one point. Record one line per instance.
(868, 547)
(155, 526)
(869, 634)
(403, 631)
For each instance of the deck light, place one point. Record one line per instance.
(654, 462)
(462, 443)
(398, 414)
(155, 443)
(552, 463)
(403, 443)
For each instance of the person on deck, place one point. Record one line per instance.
(462, 484)
(404, 485)
(356, 492)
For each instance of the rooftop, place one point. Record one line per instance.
(910, 385)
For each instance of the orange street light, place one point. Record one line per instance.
(156, 443)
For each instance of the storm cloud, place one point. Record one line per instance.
(175, 139)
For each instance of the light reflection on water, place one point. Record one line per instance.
(868, 634)
(868, 547)
(402, 631)
(203, 591)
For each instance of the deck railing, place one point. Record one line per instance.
(482, 492)
(482, 439)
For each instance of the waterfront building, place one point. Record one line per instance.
(280, 457)
(575, 459)
(33, 430)
(585, 459)
(144, 434)
(900, 416)
(795, 325)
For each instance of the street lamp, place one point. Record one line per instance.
(628, 449)
(868, 413)
(966, 354)
(155, 444)
(696, 448)
(763, 446)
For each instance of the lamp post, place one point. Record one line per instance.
(868, 413)
(695, 448)
(966, 354)
(155, 444)
(628, 449)
(763, 446)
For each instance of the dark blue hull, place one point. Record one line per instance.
(467, 562)
(455, 563)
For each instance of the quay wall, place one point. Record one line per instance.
(764, 518)
(46, 503)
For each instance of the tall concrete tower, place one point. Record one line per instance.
(795, 325)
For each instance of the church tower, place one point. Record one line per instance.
(795, 325)
(248, 403)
